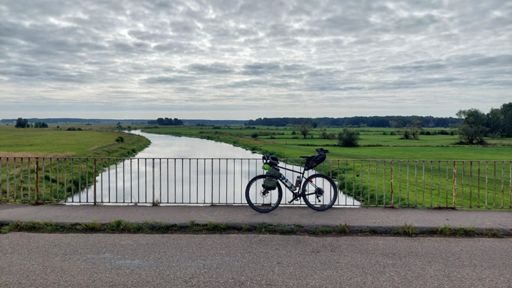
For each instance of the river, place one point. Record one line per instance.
(183, 171)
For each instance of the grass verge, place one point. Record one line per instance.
(123, 227)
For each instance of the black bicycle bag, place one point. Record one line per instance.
(314, 161)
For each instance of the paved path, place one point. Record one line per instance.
(129, 260)
(371, 217)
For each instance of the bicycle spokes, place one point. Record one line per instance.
(319, 192)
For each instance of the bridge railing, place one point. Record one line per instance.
(221, 181)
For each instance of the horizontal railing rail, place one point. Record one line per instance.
(467, 184)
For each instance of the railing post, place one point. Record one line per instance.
(37, 180)
(94, 185)
(391, 188)
(454, 183)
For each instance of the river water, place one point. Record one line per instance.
(183, 171)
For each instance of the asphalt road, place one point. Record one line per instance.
(103, 260)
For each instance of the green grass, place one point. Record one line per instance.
(24, 150)
(427, 183)
(120, 226)
(43, 142)
(373, 144)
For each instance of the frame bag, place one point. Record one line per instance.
(270, 183)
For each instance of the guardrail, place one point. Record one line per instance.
(221, 181)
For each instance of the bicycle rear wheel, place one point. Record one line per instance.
(261, 199)
(319, 192)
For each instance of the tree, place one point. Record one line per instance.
(506, 112)
(494, 122)
(472, 130)
(40, 125)
(21, 123)
(304, 130)
(348, 138)
(412, 132)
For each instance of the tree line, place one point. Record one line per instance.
(360, 121)
(23, 123)
(166, 122)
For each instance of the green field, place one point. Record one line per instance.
(97, 141)
(387, 170)
(373, 143)
(23, 151)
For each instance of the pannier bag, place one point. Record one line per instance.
(270, 183)
(314, 161)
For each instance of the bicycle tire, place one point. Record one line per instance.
(252, 202)
(313, 179)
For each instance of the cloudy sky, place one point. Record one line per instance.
(248, 59)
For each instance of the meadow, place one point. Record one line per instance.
(58, 154)
(375, 143)
(385, 170)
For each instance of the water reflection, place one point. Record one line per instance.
(200, 172)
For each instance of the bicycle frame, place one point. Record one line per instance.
(298, 194)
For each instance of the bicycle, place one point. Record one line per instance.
(265, 197)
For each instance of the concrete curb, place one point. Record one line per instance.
(120, 226)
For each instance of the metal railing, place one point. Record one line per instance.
(222, 181)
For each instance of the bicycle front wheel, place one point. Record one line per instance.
(319, 192)
(261, 199)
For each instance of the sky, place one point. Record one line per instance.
(248, 59)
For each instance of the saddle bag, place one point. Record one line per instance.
(314, 161)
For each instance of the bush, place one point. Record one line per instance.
(411, 133)
(74, 129)
(325, 135)
(40, 125)
(254, 135)
(348, 138)
(119, 139)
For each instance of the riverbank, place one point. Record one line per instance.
(35, 164)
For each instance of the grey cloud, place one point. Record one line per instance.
(255, 83)
(167, 80)
(215, 68)
(472, 60)
(260, 68)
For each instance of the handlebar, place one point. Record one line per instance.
(270, 159)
